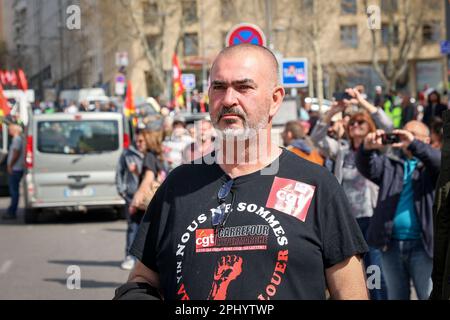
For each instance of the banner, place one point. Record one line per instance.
(178, 87)
(4, 105)
(130, 108)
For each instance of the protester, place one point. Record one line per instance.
(129, 171)
(434, 108)
(175, 144)
(437, 134)
(337, 146)
(296, 141)
(402, 222)
(204, 142)
(362, 193)
(379, 98)
(409, 110)
(230, 230)
(15, 165)
(441, 222)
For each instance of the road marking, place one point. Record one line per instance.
(5, 266)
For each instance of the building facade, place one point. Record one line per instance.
(150, 31)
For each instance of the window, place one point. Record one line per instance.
(78, 137)
(431, 31)
(348, 6)
(389, 6)
(349, 36)
(150, 11)
(189, 8)
(190, 44)
(385, 36)
(308, 6)
(226, 9)
(153, 42)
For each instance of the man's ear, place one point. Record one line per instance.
(277, 98)
(289, 135)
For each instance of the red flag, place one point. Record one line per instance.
(178, 87)
(4, 105)
(2, 77)
(130, 108)
(22, 80)
(13, 78)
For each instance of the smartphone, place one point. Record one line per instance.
(390, 138)
(339, 96)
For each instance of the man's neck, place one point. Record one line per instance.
(238, 168)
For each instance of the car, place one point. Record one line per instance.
(71, 162)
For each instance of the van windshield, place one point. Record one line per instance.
(78, 137)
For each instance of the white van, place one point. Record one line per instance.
(71, 161)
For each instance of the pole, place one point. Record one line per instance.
(61, 44)
(269, 24)
(202, 30)
(188, 100)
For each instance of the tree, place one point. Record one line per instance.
(169, 24)
(403, 21)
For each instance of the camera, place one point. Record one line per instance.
(339, 96)
(390, 138)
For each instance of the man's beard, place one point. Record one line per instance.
(248, 131)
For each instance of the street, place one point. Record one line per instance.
(34, 259)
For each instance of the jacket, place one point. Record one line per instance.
(301, 148)
(441, 221)
(387, 171)
(127, 183)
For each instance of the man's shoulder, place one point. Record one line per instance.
(297, 167)
(193, 170)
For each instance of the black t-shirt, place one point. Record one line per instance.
(283, 231)
(150, 163)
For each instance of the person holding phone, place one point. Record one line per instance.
(361, 192)
(402, 226)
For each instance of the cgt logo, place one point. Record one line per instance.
(291, 197)
(204, 238)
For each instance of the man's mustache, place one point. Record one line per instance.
(233, 111)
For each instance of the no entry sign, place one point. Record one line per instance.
(245, 33)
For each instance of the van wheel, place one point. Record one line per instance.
(31, 215)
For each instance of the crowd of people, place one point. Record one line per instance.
(390, 184)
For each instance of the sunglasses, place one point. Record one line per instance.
(219, 215)
(359, 122)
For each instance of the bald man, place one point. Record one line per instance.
(402, 224)
(251, 220)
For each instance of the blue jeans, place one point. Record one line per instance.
(132, 228)
(373, 257)
(407, 260)
(14, 185)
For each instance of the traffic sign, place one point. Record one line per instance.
(294, 72)
(120, 85)
(188, 80)
(245, 33)
(122, 59)
(445, 47)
